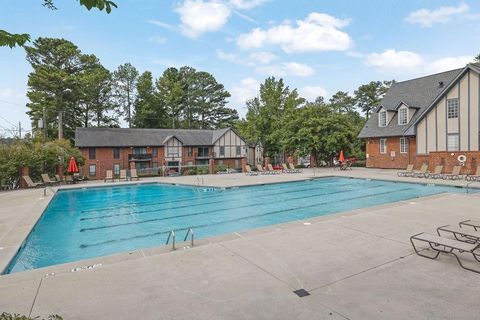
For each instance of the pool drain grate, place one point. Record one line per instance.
(301, 293)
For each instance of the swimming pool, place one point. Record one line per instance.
(92, 222)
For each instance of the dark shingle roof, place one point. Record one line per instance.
(124, 137)
(416, 93)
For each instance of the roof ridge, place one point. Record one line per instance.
(430, 75)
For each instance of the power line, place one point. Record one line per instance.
(8, 121)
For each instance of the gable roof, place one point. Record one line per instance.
(417, 93)
(135, 137)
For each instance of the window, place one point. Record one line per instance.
(92, 153)
(116, 169)
(116, 153)
(222, 151)
(402, 116)
(452, 142)
(238, 150)
(383, 145)
(190, 151)
(139, 150)
(92, 170)
(403, 145)
(172, 151)
(452, 108)
(203, 151)
(155, 152)
(382, 118)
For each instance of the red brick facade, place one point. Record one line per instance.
(104, 159)
(399, 160)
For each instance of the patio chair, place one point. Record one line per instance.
(260, 169)
(474, 177)
(437, 173)
(475, 224)
(271, 170)
(292, 167)
(123, 175)
(420, 173)
(133, 174)
(460, 234)
(47, 181)
(57, 177)
(30, 183)
(347, 165)
(407, 172)
(455, 175)
(444, 245)
(109, 176)
(249, 171)
(286, 169)
(69, 179)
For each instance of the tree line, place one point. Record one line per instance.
(75, 88)
(285, 123)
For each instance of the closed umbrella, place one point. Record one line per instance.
(72, 166)
(341, 158)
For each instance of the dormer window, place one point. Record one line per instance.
(403, 116)
(382, 118)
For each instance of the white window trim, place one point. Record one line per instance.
(406, 145)
(386, 118)
(380, 145)
(402, 108)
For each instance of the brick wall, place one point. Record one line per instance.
(400, 161)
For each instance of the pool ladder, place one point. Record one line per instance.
(172, 236)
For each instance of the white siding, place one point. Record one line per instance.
(422, 137)
(230, 141)
(463, 113)
(474, 110)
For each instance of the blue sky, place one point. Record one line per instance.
(318, 47)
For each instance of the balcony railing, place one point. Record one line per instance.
(139, 157)
(204, 155)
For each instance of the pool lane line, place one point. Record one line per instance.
(189, 198)
(203, 203)
(82, 246)
(210, 211)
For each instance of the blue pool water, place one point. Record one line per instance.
(91, 222)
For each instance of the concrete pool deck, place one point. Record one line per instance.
(355, 265)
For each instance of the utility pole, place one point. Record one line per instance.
(20, 130)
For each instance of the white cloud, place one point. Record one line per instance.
(448, 63)
(248, 88)
(318, 32)
(392, 61)
(312, 92)
(162, 25)
(200, 16)
(157, 39)
(427, 18)
(263, 56)
(247, 4)
(286, 69)
(410, 63)
(6, 93)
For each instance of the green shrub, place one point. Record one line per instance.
(15, 316)
(359, 163)
(220, 167)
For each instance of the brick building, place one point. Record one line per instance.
(433, 119)
(118, 148)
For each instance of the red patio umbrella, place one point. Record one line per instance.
(341, 158)
(72, 166)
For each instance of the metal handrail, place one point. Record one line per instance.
(468, 186)
(172, 235)
(45, 191)
(189, 231)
